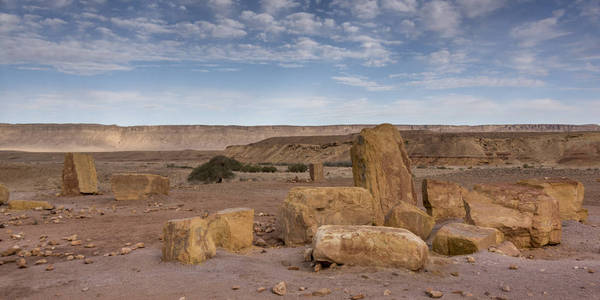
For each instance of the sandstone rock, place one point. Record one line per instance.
(506, 248)
(307, 208)
(316, 172)
(279, 289)
(11, 251)
(4, 194)
(568, 192)
(79, 175)
(28, 204)
(369, 246)
(460, 239)
(233, 228)
(443, 200)
(410, 217)
(434, 294)
(187, 241)
(21, 263)
(527, 216)
(381, 165)
(138, 186)
(321, 292)
(50, 268)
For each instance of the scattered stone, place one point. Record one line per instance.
(357, 297)
(139, 245)
(513, 267)
(28, 204)
(505, 288)
(138, 186)
(235, 287)
(79, 175)
(21, 263)
(381, 165)
(568, 192)
(76, 243)
(506, 248)
(88, 261)
(308, 254)
(293, 268)
(526, 215)
(408, 216)
(91, 245)
(279, 289)
(434, 294)
(125, 250)
(591, 271)
(301, 288)
(261, 289)
(316, 172)
(232, 229)
(317, 267)
(471, 259)
(79, 256)
(41, 261)
(443, 199)
(460, 239)
(260, 242)
(455, 274)
(321, 292)
(85, 289)
(11, 251)
(182, 242)
(369, 246)
(387, 292)
(70, 257)
(4, 194)
(50, 268)
(306, 208)
(70, 238)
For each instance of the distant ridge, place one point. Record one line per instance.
(99, 138)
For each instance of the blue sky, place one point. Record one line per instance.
(303, 62)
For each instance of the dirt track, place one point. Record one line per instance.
(141, 274)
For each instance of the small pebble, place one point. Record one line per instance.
(50, 268)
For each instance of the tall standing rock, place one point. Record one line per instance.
(316, 172)
(381, 165)
(79, 175)
(4, 194)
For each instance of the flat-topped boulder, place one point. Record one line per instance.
(369, 246)
(79, 175)
(316, 172)
(460, 239)
(132, 186)
(194, 240)
(407, 216)
(527, 216)
(568, 192)
(306, 208)
(443, 199)
(29, 204)
(4, 194)
(381, 165)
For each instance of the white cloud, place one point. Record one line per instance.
(444, 61)
(441, 17)
(143, 25)
(478, 8)
(272, 7)
(9, 22)
(363, 9)
(306, 23)
(53, 22)
(263, 21)
(480, 81)
(362, 82)
(533, 33)
(404, 6)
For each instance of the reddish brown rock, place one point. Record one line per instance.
(444, 200)
(381, 165)
(79, 175)
(138, 186)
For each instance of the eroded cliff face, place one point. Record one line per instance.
(98, 138)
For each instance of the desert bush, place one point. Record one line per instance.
(215, 170)
(250, 169)
(338, 164)
(269, 169)
(297, 168)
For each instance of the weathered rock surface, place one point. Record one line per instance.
(4, 194)
(410, 217)
(443, 200)
(527, 216)
(188, 241)
(138, 186)
(381, 165)
(316, 172)
(568, 192)
(460, 239)
(307, 208)
(369, 246)
(79, 175)
(506, 248)
(194, 240)
(28, 204)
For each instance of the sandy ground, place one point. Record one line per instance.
(555, 272)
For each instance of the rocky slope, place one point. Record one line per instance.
(94, 137)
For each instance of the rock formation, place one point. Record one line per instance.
(369, 246)
(29, 204)
(138, 186)
(316, 172)
(381, 165)
(443, 200)
(568, 192)
(411, 218)
(4, 194)
(460, 239)
(306, 208)
(527, 216)
(79, 175)
(233, 229)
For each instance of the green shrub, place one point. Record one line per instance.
(215, 170)
(250, 169)
(297, 168)
(269, 169)
(337, 164)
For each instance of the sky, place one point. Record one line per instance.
(299, 62)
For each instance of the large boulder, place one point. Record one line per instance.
(233, 229)
(29, 204)
(410, 217)
(369, 246)
(138, 186)
(568, 192)
(527, 216)
(444, 200)
(188, 240)
(460, 239)
(381, 165)
(4, 194)
(306, 208)
(316, 172)
(79, 175)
